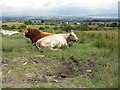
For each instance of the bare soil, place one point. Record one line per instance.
(33, 71)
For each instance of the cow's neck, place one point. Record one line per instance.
(34, 37)
(66, 36)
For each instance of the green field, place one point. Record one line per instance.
(97, 46)
(55, 28)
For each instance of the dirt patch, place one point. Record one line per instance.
(27, 72)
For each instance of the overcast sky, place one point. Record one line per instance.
(58, 7)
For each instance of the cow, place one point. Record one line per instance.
(35, 34)
(6, 32)
(56, 40)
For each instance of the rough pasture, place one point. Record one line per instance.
(91, 62)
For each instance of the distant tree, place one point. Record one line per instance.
(66, 27)
(89, 23)
(56, 27)
(47, 27)
(82, 27)
(5, 27)
(13, 27)
(41, 28)
(22, 26)
(42, 21)
(75, 23)
(101, 25)
(28, 22)
(46, 23)
(118, 25)
(113, 24)
(107, 25)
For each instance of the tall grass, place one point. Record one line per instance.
(101, 39)
(106, 40)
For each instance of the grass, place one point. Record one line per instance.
(29, 67)
(8, 87)
(47, 86)
(38, 26)
(17, 46)
(97, 46)
(83, 81)
(12, 23)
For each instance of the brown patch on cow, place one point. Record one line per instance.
(35, 34)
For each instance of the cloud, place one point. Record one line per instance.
(58, 7)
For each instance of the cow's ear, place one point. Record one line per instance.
(29, 29)
(70, 34)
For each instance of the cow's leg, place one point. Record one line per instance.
(38, 45)
(66, 45)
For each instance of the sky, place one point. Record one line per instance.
(58, 7)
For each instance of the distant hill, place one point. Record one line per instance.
(57, 18)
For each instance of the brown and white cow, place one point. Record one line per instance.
(35, 34)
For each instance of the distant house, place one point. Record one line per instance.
(66, 22)
(78, 23)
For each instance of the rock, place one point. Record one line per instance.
(34, 62)
(25, 63)
(55, 80)
(9, 71)
(89, 71)
(63, 75)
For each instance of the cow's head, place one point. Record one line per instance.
(73, 37)
(26, 32)
(30, 32)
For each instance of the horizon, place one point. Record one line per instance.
(56, 16)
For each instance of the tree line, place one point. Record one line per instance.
(84, 27)
(65, 27)
(6, 27)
